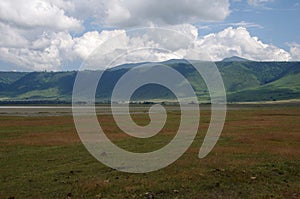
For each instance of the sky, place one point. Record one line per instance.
(54, 35)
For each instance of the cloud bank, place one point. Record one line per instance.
(146, 12)
(49, 35)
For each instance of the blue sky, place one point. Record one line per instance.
(279, 20)
(276, 21)
(61, 34)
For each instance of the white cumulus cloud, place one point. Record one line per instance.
(49, 52)
(239, 42)
(47, 35)
(46, 53)
(10, 37)
(295, 51)
(86, 44)
(36, 14)
(124, 13)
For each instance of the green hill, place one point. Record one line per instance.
(285, 86)
(244, 81)
(7, 78)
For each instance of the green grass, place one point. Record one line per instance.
(47, 93)
(257, 156)
(283, 89)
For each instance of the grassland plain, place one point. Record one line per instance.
(257, 156)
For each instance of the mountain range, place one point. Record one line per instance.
(245, 81)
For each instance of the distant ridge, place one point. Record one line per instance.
(132, 65)
(245, 81)
(235, 59)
